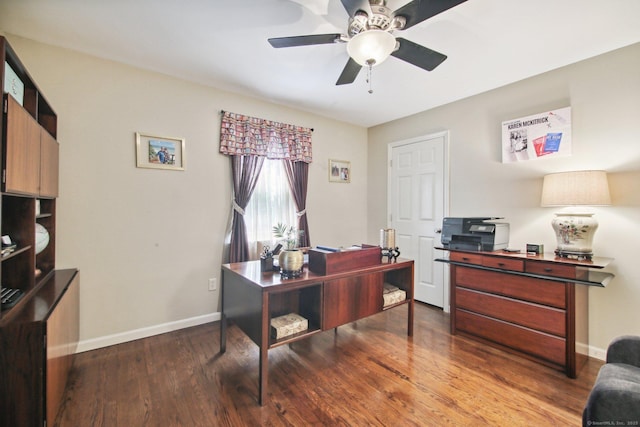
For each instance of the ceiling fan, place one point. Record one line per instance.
(369, 35)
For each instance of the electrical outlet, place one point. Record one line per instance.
(213, 284)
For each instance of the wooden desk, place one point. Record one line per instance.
(251, 299)
(536, 305)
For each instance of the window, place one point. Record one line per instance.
(270, 204)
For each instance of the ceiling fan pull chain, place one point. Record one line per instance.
(369, 75)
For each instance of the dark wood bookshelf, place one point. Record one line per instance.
(38, 334)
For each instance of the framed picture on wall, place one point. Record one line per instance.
(339, 171)
(159, 152)
(543, 135)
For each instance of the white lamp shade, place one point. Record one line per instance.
(578, 188)
(371, 47)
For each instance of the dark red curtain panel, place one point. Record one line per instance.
(298, 177)
(245, 171)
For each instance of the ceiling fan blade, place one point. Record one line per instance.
(418, 55)
(352, 6)
(349, 73)
(304, 40)
(419, 10)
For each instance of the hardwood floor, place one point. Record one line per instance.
(368, 374)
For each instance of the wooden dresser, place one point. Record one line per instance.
(534, 305)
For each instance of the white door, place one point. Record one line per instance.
(416, 206)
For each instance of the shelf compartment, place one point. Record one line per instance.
(390, 306)
(17, 252)
(392, 295)
(18, 219)
(305, 301)
(19, 224)
(402, 279)
(313, 329)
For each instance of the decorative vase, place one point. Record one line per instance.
(291, 261)
(574, 232)
(42, 238)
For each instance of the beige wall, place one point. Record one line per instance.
(604, 93)
(147, 241)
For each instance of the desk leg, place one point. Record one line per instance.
(411, 300)
(263, 377)
(410, 319)
(223, 333)
(223, 318)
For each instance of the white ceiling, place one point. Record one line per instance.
(223, 43)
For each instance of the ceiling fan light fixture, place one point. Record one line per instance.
(371, 47)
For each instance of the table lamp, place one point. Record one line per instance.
(575, 229)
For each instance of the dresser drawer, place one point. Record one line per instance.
(544, 292)
(541, 345)
(503, 263)
(551, 269)
(534, 316)
(466, 257)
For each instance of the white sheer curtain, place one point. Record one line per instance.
(270, 204)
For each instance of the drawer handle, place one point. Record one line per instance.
(501, 264)
(465, 259)
(548, 270)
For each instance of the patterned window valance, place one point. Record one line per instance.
(242, 135)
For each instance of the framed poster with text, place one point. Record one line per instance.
(533, 137)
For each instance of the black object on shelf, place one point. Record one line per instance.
(10, 297)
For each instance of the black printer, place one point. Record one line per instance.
(475, 234)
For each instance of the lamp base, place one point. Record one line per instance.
(574, 233)
(390, 253)
(580, 256)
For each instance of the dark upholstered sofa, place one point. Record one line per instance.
(615, 397)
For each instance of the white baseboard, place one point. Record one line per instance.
(596, 353)
(136, 334)
(150, 331)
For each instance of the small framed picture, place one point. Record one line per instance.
(339, 171)
(159, 152)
